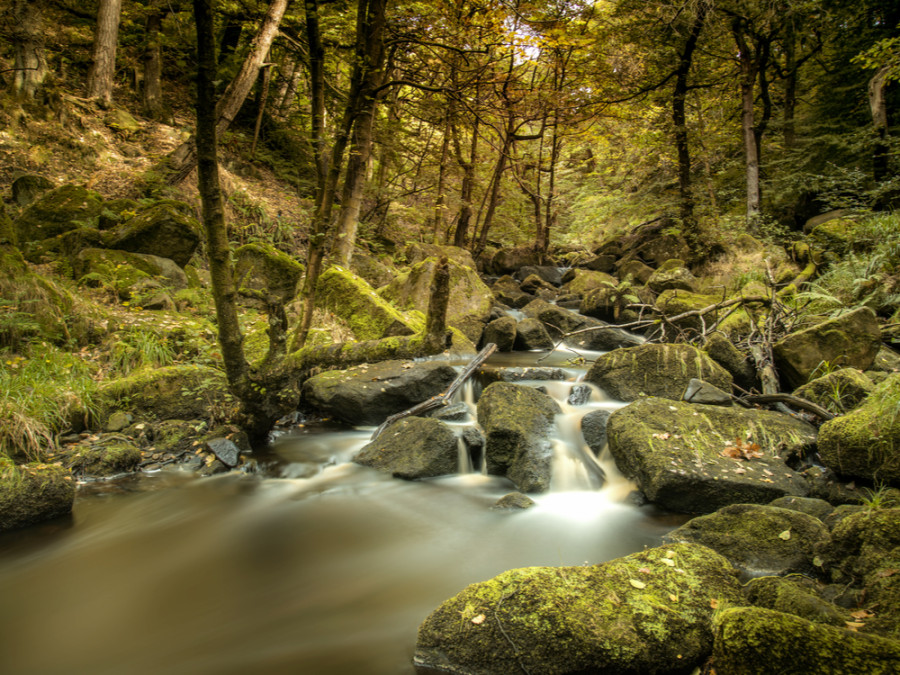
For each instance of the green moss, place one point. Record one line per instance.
(586, 280)
(65, 208)
(263, 267)
(754, 641)
(839, 391)
(115, 456)
(33, 492)
(794, 595)
(646, 613)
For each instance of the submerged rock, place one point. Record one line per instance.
(513, 501)
(30, 493)
(758, 539)
(680, 454)
(593, 428)
(757, 641)
(414, 447)
(516, 420)
(369, 394)
(655, 370)
(646, 613)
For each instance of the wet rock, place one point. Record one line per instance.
(758, 539)
(513, 501)
(413, 448)
(722, 351)
(824, 484)
(864, 443)
(501, 332)
(794, 595)
(593, 428)
(839, 391)
(57, 211)
(852, 341)
(368, 394)
(655, 370)
(547, 273)
(27, 188)
(754, 641)
(470, 299)
(456, 412)
(638, 614)
(506, 290)
(474, 442)
(111, 455)
(678, 453)
(263, 268)
(579, 395)
(704, 393)
(163, 229)
(520, 374)
(560, 321)
(672, 275)
(225, 450)
(31, 493)
(516, 421)
(535, 285)
(817, 508)
(118, 421)
(531, 335)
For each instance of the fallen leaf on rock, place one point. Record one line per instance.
(673, 598)
(644, 570)
(637, 584)
(785, 535)
(853, 625)
(479, 619)
(861, 614)
(668, 561)
(714, 603)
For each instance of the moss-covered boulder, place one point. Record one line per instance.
(368, 394)
(865, 550)
(649, 612)
(163, 229)
(30, 493)
(470, 299)
(28, 187)
(560, 321)
(111, 455)
(851, 340)
(502, 332)
(173, 392)
(516, 420)
(416, 252)
(123, 271)
(376, 271)
(413, 448)
(546, 273)
(680, 454)
(840, 236)
(60, 210)
(758, 539)
(757, 641)
(794, 594)
(635, 269)
(655, 370)
(532, 335)
(674, 302)
(508, 260)
(817, 508)
(367, 314)
(839, 391)
(507, 291)
(578, 281)
(672, 274)
(263, 268)
(722, 351)
(865, 443)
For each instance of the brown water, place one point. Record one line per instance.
(318, 566)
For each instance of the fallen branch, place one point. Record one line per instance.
(789, 399)
(443, 398)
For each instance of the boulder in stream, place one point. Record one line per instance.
(531, 335)
(368, 394)
(516, 420)
(649, 612)
(560, 321)
(698, 458)
(502, 332)
(30, 493)
(414, 447)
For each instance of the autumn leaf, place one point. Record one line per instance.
(785, 535)
(861, 614)
(853, 625)
(668, 561)
(714, 603)
(478, 620)
(637, 584)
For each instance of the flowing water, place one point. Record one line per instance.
(315, 565)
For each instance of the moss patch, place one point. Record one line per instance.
(30, 493)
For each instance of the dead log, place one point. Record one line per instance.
(794, 401)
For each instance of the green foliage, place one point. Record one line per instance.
(138, 347)
(253, 223)
(880, 497)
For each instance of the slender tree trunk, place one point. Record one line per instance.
(679, 120)
(467, 186)
(152, 91)
(218, 251)
(878, 107)
(27, 36)
(551, 212)
(790, 86)
(494, 196)
(263, 98)
(103, 67)
(439, 227)
(751, 152)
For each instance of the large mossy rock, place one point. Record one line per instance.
(164, 229)
(516, 420)
(124, 271)
(60, 210)
(470, 299)
(674, 302)
(507, 291)
(30, 493)
(758, 539)
(416, 252)
(648, 613)
(757, 641)
(368, 394)
(851, 341)
(263, 268)
(368, 315)
(672, 274)
(413, 448)
(840, 236)
(112, 455)
(655, 370)
(560, 321)
(579, 282)
(865, 443)
(674, 451)
(865, 548)
(508, 260)
(377, 272)
(794, 594)
(173, 392)
(838, 392)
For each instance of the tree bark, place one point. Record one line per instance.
(103, 68)
(439, 227)
(467, 186)
(27, 36)
(748, 65)
(878, 107)
(263, 98)
(789, 131)
(152, 90)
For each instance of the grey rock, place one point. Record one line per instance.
(705, 393)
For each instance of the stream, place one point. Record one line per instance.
(313, 565)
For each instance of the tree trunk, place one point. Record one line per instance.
(878, 106)
(103, 66)
(183, 158)
(467, 186)
(439, 228)
(496, 181)
(679, 120)
(751, 155)
(551, 213)
(27, 36)
(261, 108)
(152, 91)
(790, 86)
